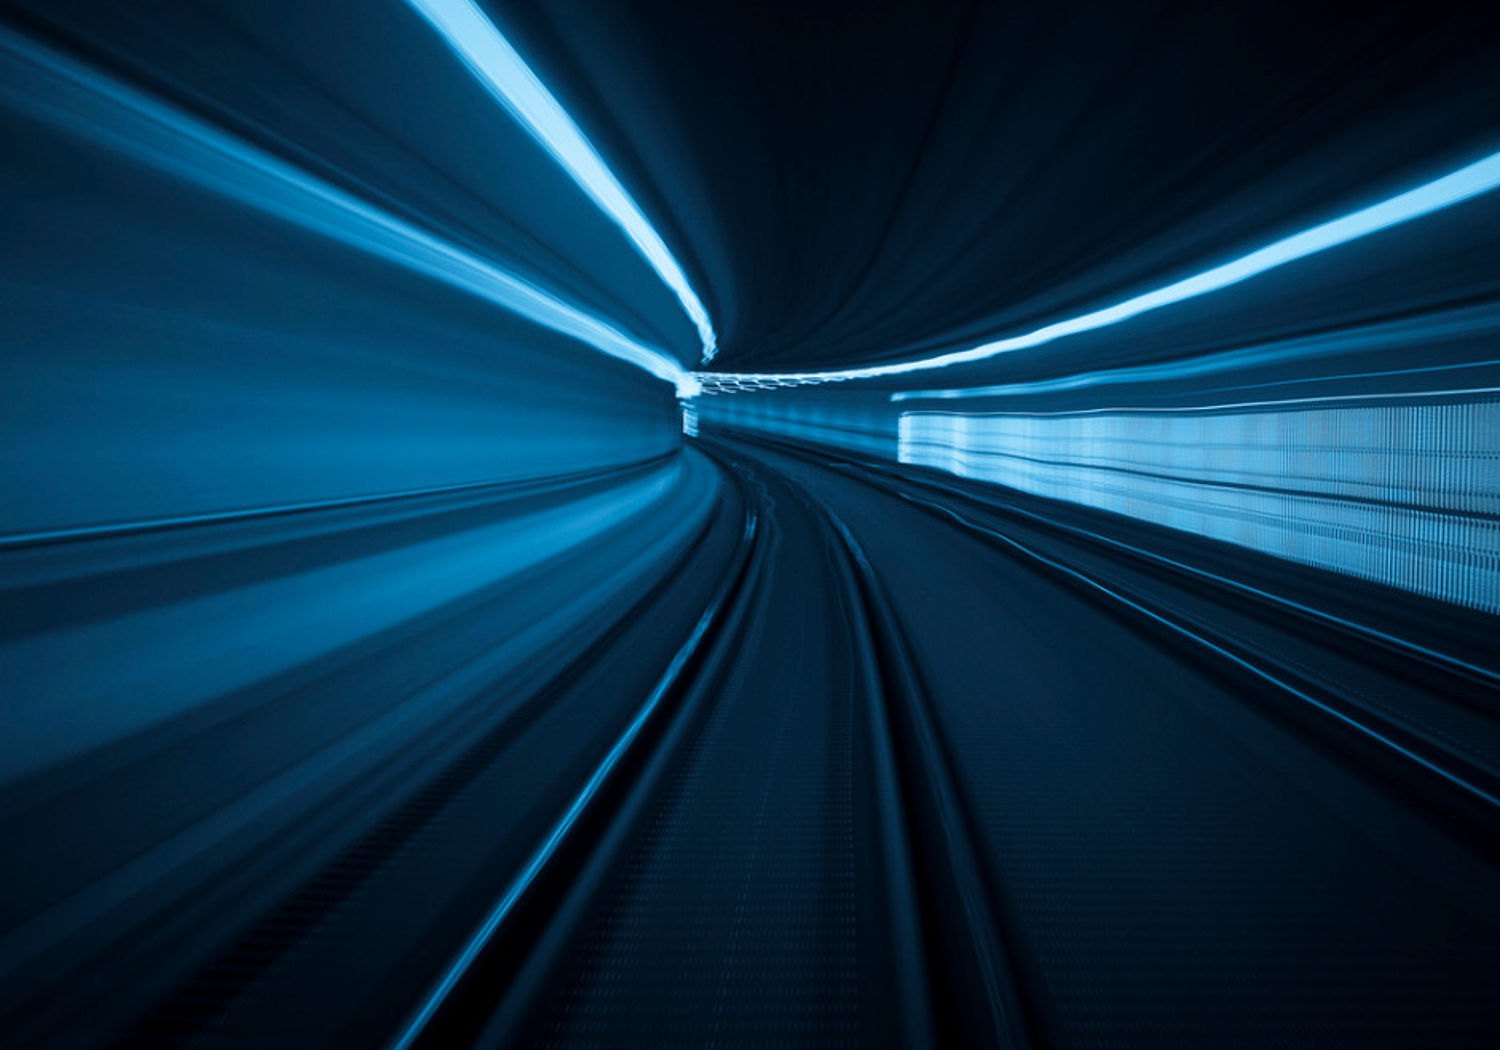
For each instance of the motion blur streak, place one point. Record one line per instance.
(1464, 322)
(489, 55)
(408, 642)
(1474, 179)
(86, 104)
(1405, 494)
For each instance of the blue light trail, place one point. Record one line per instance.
(1398, 493)
(1472, 180)
(1386, 335)
(502, 71)
(88, 104)
(388, 659)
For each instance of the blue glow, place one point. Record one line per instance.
(93, 106)
(77, 694)
(1402, 494)
(1472, 180)
(387, 657)
(497, 65)
(1387, 335)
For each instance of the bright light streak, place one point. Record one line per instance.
(1472, 180)
(35, 80)
(1392, 487)
(1405, 332)
(497, 65)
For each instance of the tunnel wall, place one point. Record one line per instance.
(1341, 411)
(174, 348)
(253, 437)
(860, 421)
(1406, 495)
(1402, 492)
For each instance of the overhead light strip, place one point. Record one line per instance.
(498, 66)
(1472, 180)
(36, 80)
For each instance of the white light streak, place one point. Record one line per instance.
(497, 65)
(1472, 180)
(38, 81)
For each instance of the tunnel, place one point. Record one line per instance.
(750, 523)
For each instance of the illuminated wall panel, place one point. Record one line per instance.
(1403, 494)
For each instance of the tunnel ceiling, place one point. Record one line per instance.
(871, 181)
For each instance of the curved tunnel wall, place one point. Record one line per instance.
(246, 438)
(1402, 490)
(365, 619)
(173, 349)
(1406, 495)
(1340, 413)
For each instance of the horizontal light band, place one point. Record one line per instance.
(1398, 487)
(1428, 329)
(1402, 494)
